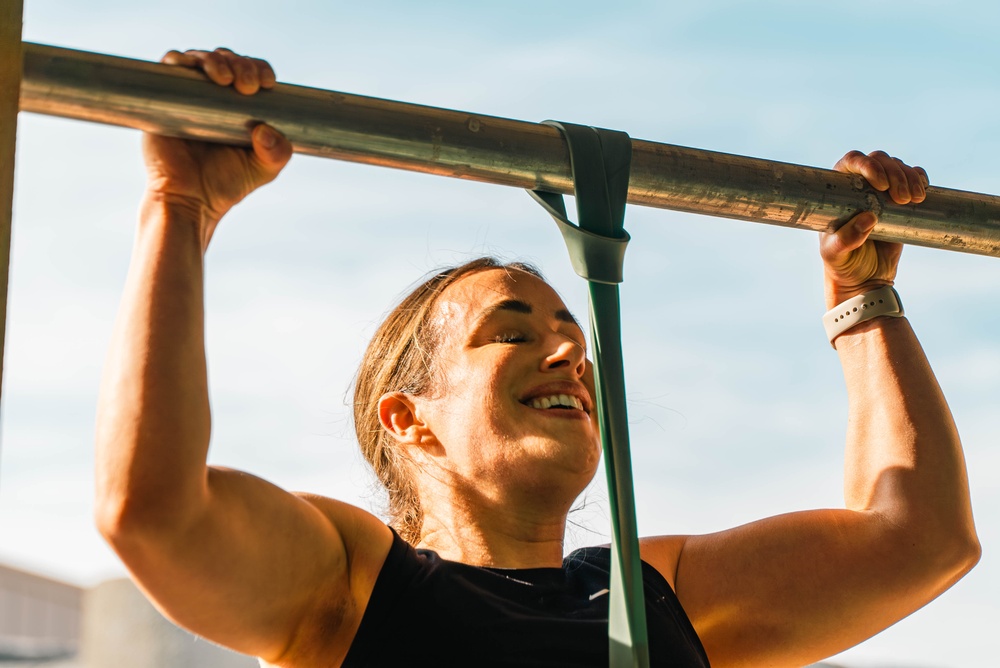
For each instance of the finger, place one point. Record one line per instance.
(923, 176)
(265, 73)
(271, 149)
(851, 236)
(914, 181)
(856, 162)
(223, 66)
(213, 64)
(174, 57)
(899, 189)
(253, 70)
(246, 80)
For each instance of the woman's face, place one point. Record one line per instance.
(511, 397)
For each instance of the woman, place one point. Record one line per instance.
(473, 405)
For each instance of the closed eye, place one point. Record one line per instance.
(510, 337)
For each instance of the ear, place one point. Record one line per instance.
(398, 414)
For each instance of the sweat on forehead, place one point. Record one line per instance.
(479, 295)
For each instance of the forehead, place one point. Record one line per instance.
(463, 302)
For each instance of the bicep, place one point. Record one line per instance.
(258, 563)
(796, 588)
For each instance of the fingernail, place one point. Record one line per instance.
(866, 222)
(268, 137)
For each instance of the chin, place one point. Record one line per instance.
(572, 457)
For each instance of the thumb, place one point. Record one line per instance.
(850, 236)
(271, 149)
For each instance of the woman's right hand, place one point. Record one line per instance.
(211, 178)
(223, 553)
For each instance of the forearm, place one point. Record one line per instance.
(153, 420)
(904, 458)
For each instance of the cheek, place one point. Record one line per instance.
(588, 379)
(588, 382)
(475, 395)
(469, 400)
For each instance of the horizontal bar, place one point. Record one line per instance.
(178, 102)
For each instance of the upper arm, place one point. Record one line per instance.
(260, 566)
(796, 588)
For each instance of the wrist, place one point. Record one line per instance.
(836, 293)
(868, 306)
(177, 211)
(875, 327)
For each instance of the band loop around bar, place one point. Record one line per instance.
(600, 161)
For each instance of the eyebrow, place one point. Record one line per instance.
(518, 306)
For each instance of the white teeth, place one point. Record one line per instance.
(562, 400)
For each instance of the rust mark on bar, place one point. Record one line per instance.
(798, 213)
(874, 204)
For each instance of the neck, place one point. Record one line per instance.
(477, 532)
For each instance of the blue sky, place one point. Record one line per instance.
(737, 409)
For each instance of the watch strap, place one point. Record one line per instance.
(856, 310)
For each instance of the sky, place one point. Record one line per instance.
(737, 408)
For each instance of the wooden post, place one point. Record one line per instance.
(10, 87)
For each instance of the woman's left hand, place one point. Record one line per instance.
(853, 263)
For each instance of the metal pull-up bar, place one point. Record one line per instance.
(178, 102)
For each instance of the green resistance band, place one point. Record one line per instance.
(600, 160)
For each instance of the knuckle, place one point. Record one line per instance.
(905, 167)
(896, 167)
(853, 161)
(237, 63)
(264, 68)
(217, 61)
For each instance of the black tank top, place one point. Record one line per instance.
(428, 611)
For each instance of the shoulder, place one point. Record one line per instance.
(328, 629)
(366, 541)
(366, 538)
(663, 553)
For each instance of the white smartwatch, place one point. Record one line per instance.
(856, 310)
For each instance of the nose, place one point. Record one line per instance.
(567, 354)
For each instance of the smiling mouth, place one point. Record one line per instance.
(555, 402)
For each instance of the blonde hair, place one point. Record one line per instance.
(400, 358)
